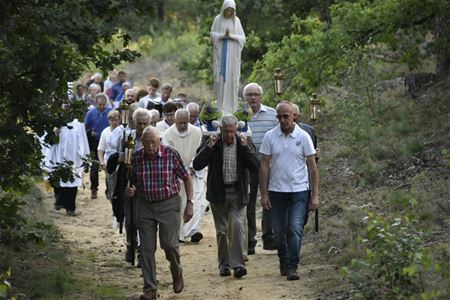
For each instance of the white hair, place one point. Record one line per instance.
(151, 130)
(193, 105)
(94, 86)
(154, 114)
(252, 84)
(126, 83)
(141, 112)
(182, 111)
(229, 120)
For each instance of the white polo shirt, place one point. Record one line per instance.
(288, 171)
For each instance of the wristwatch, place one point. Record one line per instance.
(190, 201)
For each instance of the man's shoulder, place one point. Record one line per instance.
(269, 109)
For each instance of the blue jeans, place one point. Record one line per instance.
(288, 213)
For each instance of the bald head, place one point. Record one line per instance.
(182, 120)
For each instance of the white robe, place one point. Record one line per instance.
(187, 145)
(227, 90)
(73, 146)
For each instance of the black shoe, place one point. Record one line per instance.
(58, 207)
(225, 272)
(72, 213)
(196, 237)
(128, 255)
(240, 272)
(251, 251)
(283, 269)
(270, 245)
(292, 275)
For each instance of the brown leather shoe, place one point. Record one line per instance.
(150, 295)
(178, 284)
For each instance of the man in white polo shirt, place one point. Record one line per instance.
(290, 153)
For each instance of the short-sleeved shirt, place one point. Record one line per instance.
(288, 172)
(104, 138)
(157, 179)
(97, 121)
(261, 122)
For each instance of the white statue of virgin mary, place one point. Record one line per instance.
(228, 39)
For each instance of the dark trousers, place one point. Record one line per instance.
(131, 231)
(93, 174)
(251, 209)
(65, 196)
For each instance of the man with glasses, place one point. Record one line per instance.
(290, 153)
(263, 119)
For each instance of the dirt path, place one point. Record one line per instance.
(97, 257)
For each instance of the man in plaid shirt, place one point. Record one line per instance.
(156, 173)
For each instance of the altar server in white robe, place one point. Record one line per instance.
(228, 39)
(186, 138)
(72, 146)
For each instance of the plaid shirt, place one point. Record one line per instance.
(157, 179)
(229, 163)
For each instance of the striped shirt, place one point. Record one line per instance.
(262, 121)
(157, 178)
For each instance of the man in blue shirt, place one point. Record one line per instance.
(95, 121)
(116, 89)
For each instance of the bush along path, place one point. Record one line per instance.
(96, 257)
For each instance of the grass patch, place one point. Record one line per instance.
(109, 292)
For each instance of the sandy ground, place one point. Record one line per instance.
(97, 255)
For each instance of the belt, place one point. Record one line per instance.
(231, 185)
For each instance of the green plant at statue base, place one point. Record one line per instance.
(244, 111)
(210, 111)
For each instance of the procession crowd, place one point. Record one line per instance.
(180, 170)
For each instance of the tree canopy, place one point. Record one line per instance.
(45, 45)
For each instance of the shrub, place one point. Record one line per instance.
(397, 264)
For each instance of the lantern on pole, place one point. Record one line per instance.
(314, 107)
(278, 80)
(129, 149)
(124, 112)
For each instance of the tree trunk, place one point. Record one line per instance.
(160, 10)
(442, 40)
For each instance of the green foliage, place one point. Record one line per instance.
(397, 264)
(399, 200)
(244, 111)
(45, 45)
(5, 285)
(210, 111)
(54, 283)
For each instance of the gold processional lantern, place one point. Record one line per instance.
(124, 112)
(314, 107)
(278, 79)
(129, 149)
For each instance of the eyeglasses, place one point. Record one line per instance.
(285, 116)
(253, 95)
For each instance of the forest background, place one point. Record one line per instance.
(385, 165)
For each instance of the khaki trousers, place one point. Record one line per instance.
(165, 215)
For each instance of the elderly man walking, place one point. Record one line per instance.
(185, 138)
(290, 153)
(263, 119)
(156, 173)
(228, 158)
